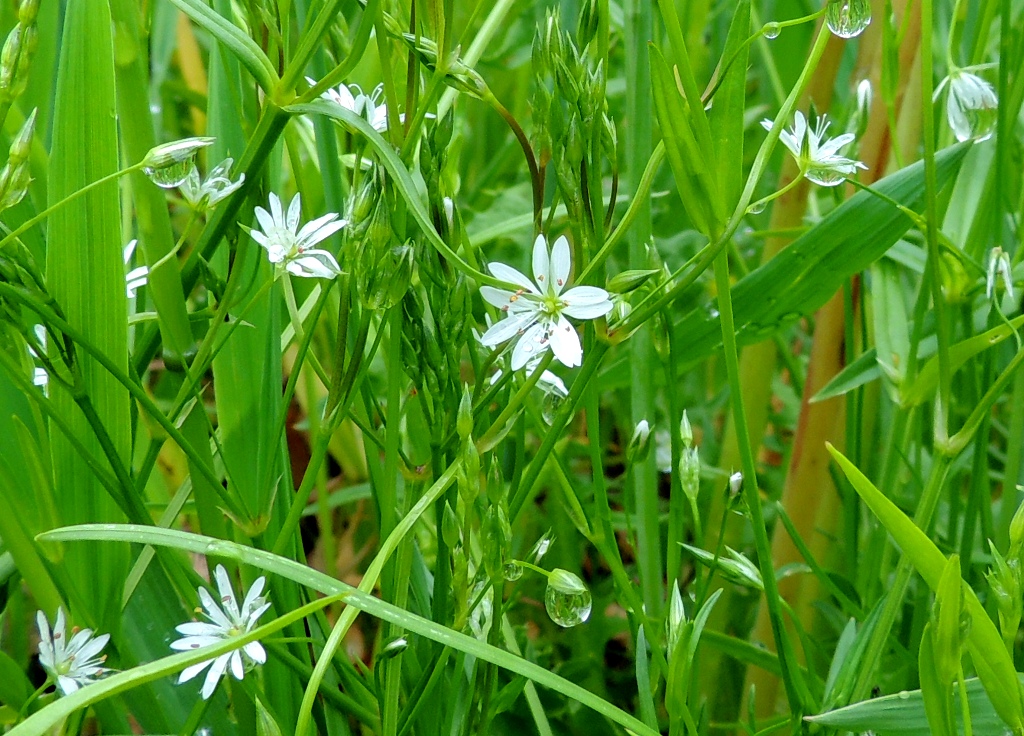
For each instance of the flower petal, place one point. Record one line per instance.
(237, 669)
(586, 302)
(191, 671)
(506, 273)
(507, 328)
(294, 212)
(561, 263)
(254, 650)
(213, 676)
(565, 343)
(541, 263)
(533, 342)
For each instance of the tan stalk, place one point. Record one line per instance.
(809, 496)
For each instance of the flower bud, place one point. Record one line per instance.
(639, 443)
(689, 473)
(1017, 534)
(627, 281)
(9, 63)
(734, 567)
(168, 165)
(735, 483)
(999, 268)
(541, 548)
(685, 431)
(27, 12)
(450, 532)
(676, 618)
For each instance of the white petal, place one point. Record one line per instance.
(213, 676)
(586, 302)
(276, 212)
(496, 297)
(314, 264)
(254, 650)
(561, 263)
(507, 328)
(565, 344)
(236, 665)
(199, 628)
(92, 648)
(66, 685)
(265, 219)
(227, 593)
(294, 212)
(541, 263)
(191, 671)
(506, 273)
(190, 643)
(310, 236)
(530, 344)
(254, 593)
(213, 610)
(957, 118)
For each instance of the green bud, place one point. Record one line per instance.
(393, 648)
(946, 621)
(639, 443)
(1017, 534)
(9, 62)
(542, 546)
(689, 473)
(495, 485)
(464, 423)
(676, 618)
(627, 281)
(574, 144)
(685, 430)
(22, 144)
(175, 152)
(15, 176)
(621, 309)
(592, 94)
(565, 582)
(567, 82)
(609, 138)
(450, 531)
(266, 725)
(734, 566)
(27, 12)
(399, 264)
(589, 22)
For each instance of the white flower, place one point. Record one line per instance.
(818, 156)
(998, 266)
(137, 276)
(970, 106)
(226, 622)
(73, 664)
(291, 247)
(204, 195)
(351, 97)
(537, 310)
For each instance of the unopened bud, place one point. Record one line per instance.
(394, 647)
(464, 423)
(450, 532)
(168, 165)
(685, 431)
(999, 268)
(541, 548)
(609, 138)
(27, 12)
(676, 618)
(1017, 534)
(9, 61)
(639, 443)
(627, 281)
(689, 473)
(735, 483)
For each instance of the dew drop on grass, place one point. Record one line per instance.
(757, 207)
(512, 571)
(567, 599)
(848, 18)
(825, 177)
(771, 30)
(171, 175)
(552, 403)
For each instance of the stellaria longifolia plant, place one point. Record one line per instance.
(528, 330)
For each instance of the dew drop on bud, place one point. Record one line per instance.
(567, 599)
(848, 18)
(771, 30)
(512, 571)
(825, 176)
(170, 176)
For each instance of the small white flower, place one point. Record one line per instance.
(227, 620)
(970, 105)
(351, 97)
(73, 664)
(137, 277)
(818, 156)
(292, 248)
(538, 309)
(998, 267)
(204, 195)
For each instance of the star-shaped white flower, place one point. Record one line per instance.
(227, 620)
(72, 664)
(291, 247)
(971, 105)
(351, 97)
(817, 155)
(204, 195)
(537, 310)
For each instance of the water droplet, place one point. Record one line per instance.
(552, 403)
(513, 571)
(982, 122)
(567, 599)
(848, 18)
(171, 175)
(771, 30)
(904, 695)
(824, 176)
(757, 207)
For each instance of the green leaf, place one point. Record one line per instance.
(365, 602)
(927, 380)
(903, 714)
(806, 274)
(990, 658)
(935, 692)
(892, 335)
(861, 371)
(85, 275)
(232, 37)
(726, 116)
